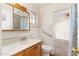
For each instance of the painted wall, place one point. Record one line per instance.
(47, 24)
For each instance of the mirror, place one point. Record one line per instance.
(14, 18)
(20, 20)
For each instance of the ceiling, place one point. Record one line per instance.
(40, 5)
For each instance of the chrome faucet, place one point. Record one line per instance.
(24, 38)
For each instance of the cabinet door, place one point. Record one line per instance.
(33, 51)
(36, 51)
(7, 17)
(20, 54)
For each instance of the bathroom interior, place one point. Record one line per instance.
(35, 29)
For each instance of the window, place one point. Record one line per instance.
(32, 17)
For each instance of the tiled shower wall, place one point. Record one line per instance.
(61, 47)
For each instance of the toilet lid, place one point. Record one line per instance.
(46, 48)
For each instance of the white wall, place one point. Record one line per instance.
(15, 35)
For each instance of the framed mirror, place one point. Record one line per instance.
(14, 19)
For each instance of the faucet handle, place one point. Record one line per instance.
(25, 37)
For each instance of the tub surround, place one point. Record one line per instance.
(11, 49)
(61, 47)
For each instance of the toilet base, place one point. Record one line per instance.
(49, 55)
(46, 55)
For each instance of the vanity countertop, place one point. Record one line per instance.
(11, 49)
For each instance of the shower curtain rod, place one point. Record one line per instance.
(61, 10)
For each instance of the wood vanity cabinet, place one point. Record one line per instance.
(19, 54)
(34, 50)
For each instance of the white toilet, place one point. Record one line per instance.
(47, 50)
